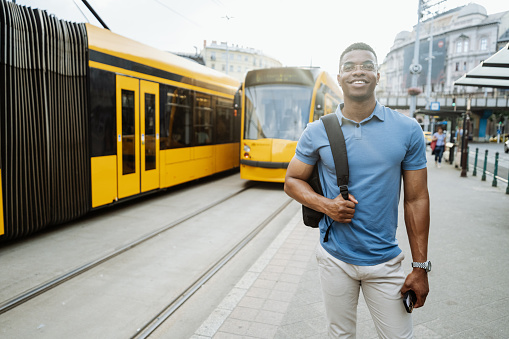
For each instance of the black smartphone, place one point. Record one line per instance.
(409, 300)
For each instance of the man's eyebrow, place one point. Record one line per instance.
(364, 62)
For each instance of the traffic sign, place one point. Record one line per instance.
(435, 106)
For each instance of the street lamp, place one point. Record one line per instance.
(430, 63)
(416, 67)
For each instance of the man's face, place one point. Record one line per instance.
(357, 76)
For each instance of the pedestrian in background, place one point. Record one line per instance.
(439, 138)
(362, 250)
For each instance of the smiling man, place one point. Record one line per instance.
(383, 146)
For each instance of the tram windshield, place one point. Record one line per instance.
(276, 111)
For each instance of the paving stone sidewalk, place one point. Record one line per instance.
(280, 296)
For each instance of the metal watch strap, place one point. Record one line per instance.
(424, 265)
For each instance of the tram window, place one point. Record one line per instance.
(276, 111)
(103, 127)
(128, 141)
(176, 120)
(202, 120)
(150, 132)
(224, 121)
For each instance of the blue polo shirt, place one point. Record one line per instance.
(378, 148)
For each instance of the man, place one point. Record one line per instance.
(362, 251)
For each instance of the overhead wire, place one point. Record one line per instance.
(179, 14)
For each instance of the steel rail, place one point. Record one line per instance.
(161, 317)
(32, 293)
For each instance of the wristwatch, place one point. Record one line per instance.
(424, 265)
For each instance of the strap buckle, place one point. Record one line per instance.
(343, 190)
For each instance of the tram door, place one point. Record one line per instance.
(137, 136)
(149, 127)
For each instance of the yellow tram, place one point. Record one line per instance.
(277, 103)
(90, 118)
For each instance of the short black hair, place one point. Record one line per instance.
(358, 46)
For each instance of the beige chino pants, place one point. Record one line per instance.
(381, 285)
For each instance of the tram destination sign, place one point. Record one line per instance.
(280, 75)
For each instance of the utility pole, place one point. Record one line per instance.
(464, 144)
(430, 64)
(415, 67)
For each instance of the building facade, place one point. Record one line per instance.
(234, 60)
(462, 38)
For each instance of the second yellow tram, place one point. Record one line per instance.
(277, 104)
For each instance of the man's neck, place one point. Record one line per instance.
(358, 110)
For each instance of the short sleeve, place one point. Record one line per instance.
(415, 157)
(306, 150)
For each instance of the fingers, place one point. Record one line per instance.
(418, 284)
(352, 198)
(343, 210)
(421, 299)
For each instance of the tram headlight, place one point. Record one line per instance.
(247, 148)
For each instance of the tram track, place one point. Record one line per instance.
(163, 315)
(38, 290)
(149, 284)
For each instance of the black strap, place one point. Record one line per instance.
(338, 148)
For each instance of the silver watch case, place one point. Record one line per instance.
(424, 265)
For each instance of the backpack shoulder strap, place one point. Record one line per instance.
(338, 148)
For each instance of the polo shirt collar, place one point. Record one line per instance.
(378, 112)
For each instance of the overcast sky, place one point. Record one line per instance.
(296, 32)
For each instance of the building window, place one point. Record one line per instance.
(223, 67)
(231, 68)
(223, 55)
(465, 46)
(459, 46)
(465, 66)
(213, 66)
(239, 69)
(457, 66)
(484, 44)
(213, 56)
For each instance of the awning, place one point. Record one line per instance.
(493, 72)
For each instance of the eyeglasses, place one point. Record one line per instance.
(350, 67)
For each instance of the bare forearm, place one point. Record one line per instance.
(417, 225)
(302, 192)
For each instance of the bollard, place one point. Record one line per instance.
(494, 183)
(483, 178)
(474, 173)
(507, 188)
(468, 156)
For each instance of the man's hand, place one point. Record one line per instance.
(417, 281)
(296, 186)
(341, 210)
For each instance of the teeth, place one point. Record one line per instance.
(359, 82)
